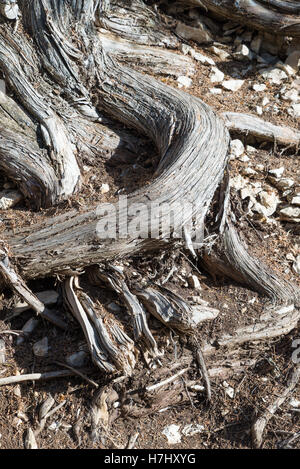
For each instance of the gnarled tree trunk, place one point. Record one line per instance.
(75, 67)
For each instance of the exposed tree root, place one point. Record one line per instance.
(67, 74)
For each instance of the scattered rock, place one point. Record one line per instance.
(77, 359)
(216, 75)
(276, 172)
(294, 110)
(265, 101)
(200, 34)
(283, 183)
(295, 200)
(48, 297)
(192, 429)
(269, 201)
(291, 95)
(9, 199)
(215, 91)
(184, 81)
(259, 87)
(233, 85)
(249, 171)
(171, 432)
(186, 49)
(203, 59)
(9, 9)
(46, 406)
(40, 348)
(228, 390)
(295, 403)
(290, 214)
(222, 54)
(27, 329)
(259, 110)
(236, 148)
(104, 189)
(274, 75)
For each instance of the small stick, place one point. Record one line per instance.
(132, 440)
(261, 423)
(90, 381)
(35, 377)
(156, 386)
(202, 366)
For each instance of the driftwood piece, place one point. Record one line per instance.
(247, 124)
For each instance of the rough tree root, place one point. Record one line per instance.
(45, 136)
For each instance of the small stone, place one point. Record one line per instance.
(295, 200)
(48, 297)
(27, 329)
(290, 214)
(283, 184)
(9, 199)
(277, 172)
(259, 110)
(244, 158)
(274, 75)
(233, 85)
(104, 189)
(9, 10)
(259, 87)
(270, 201)
(215, 91)
(171, 432)
(77, 359)
(249, 171)
(236, 148)
(250, 149)
(203, 59)
(186, 49)
(295, 403)
(40, 348)
(265, 101)
(192, 429)
(222, 54)
(114, 308)
(291, 95)
(184, 81)
(200, 34)
(216, 75)
(294, 110)
(228, 390)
